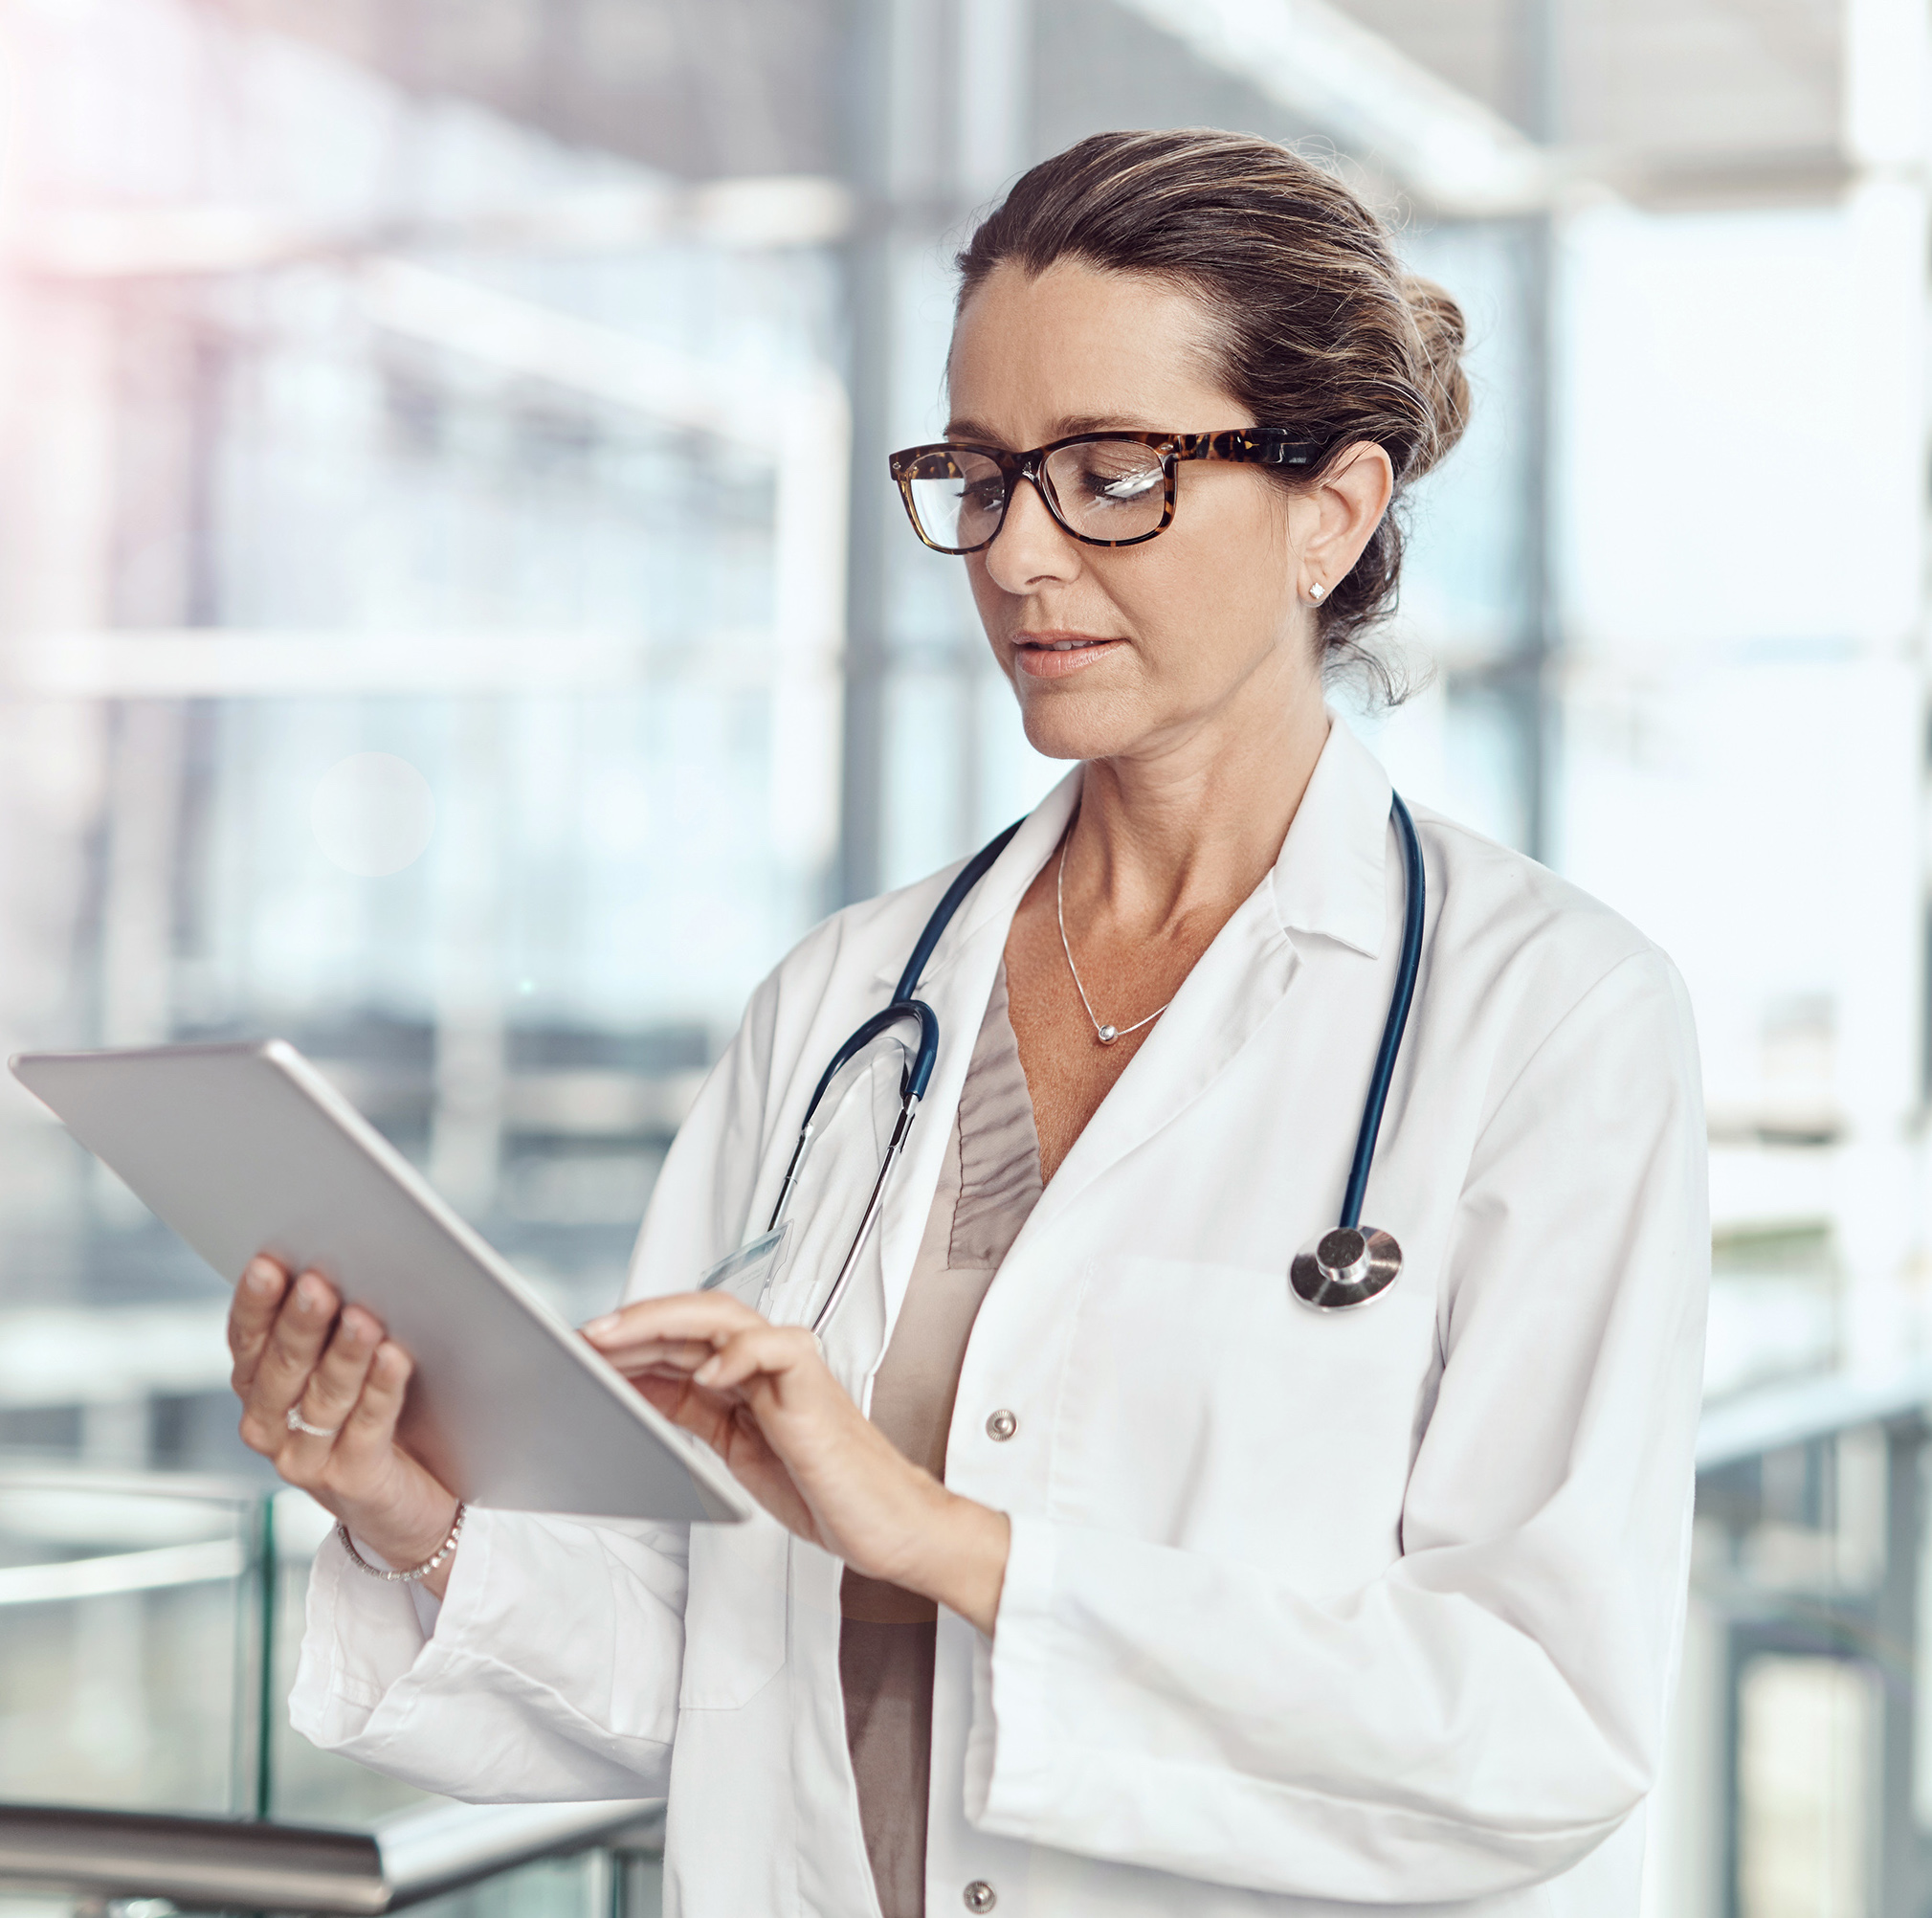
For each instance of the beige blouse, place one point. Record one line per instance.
(989, 1183)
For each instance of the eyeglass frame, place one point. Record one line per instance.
(1242, 445)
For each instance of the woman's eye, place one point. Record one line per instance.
(1117, 488)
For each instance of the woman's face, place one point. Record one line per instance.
(1133, 650)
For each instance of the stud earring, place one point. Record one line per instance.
(1314, 593)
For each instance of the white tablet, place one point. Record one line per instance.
(247, 1149)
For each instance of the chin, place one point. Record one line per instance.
(1061, 728)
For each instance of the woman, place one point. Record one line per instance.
(1143, 1588)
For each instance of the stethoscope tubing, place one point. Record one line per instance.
(874, 1204)
(918, 1076)
(1407, 965)
(968, 875)
(912, 1086)
(916, 1079)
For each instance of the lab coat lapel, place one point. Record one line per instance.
(1328, 882)
(1236, 986)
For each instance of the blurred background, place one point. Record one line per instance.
(452, 614)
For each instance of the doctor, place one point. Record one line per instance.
(1102, 1575)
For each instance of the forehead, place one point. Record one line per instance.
(1032, 351)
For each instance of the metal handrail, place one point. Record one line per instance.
(266, 1867)
(437, 1848)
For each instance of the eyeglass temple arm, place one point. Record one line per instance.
(1274, 445)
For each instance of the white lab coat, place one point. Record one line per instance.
(1304, 1608)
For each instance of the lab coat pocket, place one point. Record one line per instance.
(734, 1614)
(1208, 1408)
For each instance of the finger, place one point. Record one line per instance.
(302, 1327)
(702, 1413)
(769, 1349)
(730, 1430)
(369, 1429)
(671, 1355)
(258, 1297)
(330, 1393)
(708, 1316)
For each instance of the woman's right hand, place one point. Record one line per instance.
(295, 1345)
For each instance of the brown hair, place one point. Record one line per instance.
(1319, 327)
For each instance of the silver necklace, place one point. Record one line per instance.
(1106, 1034)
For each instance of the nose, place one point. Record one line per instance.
(1032, 547)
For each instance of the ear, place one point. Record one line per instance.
(1349, 502)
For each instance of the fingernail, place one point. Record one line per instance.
(598, 1327)
(261, 1276)
(309, 1294)
(708, 1371)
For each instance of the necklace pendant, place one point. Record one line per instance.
(1106, 1034)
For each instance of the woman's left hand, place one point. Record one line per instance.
(763, 1398)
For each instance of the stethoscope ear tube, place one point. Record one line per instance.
(912, 1084)
(924, 1054)
(918, 1076)
(875, 1200)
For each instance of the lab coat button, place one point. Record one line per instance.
(1000, 1427)
(979, 1895)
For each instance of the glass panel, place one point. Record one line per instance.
(126, 1637)
(434, 659)
(1807, 1754)
(420, 637)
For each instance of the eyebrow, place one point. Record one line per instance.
(1064, 427)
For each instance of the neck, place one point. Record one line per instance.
(1192, 825)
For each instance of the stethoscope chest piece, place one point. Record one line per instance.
(1345, 1265)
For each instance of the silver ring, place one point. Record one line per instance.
(297, 1424)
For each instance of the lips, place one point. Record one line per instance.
(1058, 656)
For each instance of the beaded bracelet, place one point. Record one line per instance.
(423, 1571)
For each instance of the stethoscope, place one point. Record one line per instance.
(1346, 1265)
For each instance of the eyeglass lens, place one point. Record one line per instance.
(1103, 489)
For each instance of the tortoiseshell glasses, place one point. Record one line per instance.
(1106, 489)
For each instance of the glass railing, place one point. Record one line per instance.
(133, 1618)
(149, 1625)
(148, 1628)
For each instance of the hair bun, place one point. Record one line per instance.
(1442, 335)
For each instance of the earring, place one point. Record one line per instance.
(1314, 593)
